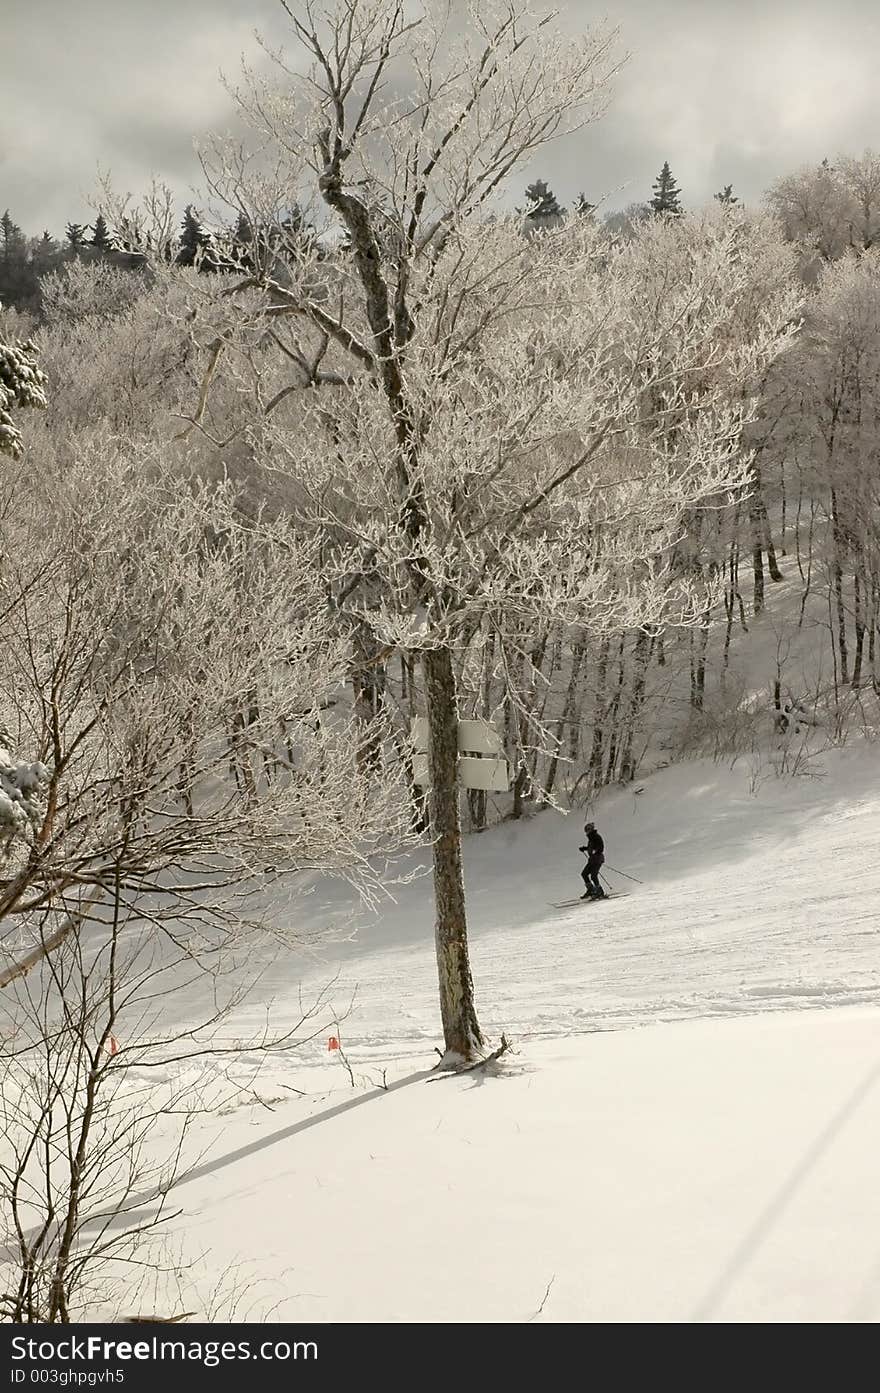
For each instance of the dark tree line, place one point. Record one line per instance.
(25, 260)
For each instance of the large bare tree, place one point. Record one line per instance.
(504, 427)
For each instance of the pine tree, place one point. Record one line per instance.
(76, 235)
(727, 196)
(244, 231)
(18, 282)
(22, 384)
(101, 239)
(13, 238)
(541, 201)
(193, 238)
(241, 243)
(666, 193)
(583, 207)
(45, 254)
(198, 247)
(190, 237)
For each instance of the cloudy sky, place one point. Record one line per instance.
(729, 91)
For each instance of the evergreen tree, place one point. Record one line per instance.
(541, 201)
(241, 243)
(12, 237)
(76, 235)
(583, 207)
(101, 239)
(193, 239)
(46, 255)
(666, 193)
(727, 196)
(243, 234)
(22, 384)
(18, 282)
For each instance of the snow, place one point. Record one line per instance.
(758, 894)
(680, 1135)
(704, 1171)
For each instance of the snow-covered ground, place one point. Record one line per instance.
(758, 894)
(719, 1162)
(709, 1170)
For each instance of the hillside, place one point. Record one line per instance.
(698, 1168)
(757, 893)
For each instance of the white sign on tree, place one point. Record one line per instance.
(481, 762)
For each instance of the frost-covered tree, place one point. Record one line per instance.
(470, 466)
(860, 178)
(831, 209)
(22, 384)
(726, 196)
(21, 785)
(625, 221)
(815, 212)
(166, 668)
(666, 194)
(830, 437)
(172, 684)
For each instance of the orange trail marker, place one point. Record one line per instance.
(333, 1043)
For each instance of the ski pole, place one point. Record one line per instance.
(624, 874)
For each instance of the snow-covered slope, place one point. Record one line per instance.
(758, 894)
(720, 1170)
(698, 1169)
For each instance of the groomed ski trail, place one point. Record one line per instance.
(763, 896)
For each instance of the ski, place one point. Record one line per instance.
(569, 904)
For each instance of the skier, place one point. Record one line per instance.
(595, 853)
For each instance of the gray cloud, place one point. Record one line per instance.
(726, 90)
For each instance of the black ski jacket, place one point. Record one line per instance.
(595, 847)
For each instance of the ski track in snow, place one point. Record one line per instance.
(758, 902)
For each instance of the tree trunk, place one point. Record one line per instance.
(461, 1029)
(772, 563)
(758, 574)
(756, 522)
(641, 659)
(577, 657)
(838, 588)
(859, 621)
(731, 595)
(872, 634)
(369, 682)
(599, 712)
(699, 646)
(611, 763)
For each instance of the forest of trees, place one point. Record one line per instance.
(271, 489)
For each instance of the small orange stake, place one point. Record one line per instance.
(333, 1043)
